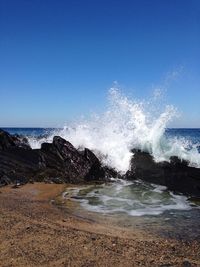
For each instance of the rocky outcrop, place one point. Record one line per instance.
(71, 164)
(176, 174)
(7, 141)
(56, 162)
(60, 162)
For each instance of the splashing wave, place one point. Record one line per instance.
(125, 125)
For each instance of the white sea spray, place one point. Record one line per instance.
(125, 125)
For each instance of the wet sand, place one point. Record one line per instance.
(34, 231)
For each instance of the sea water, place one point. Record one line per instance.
(124, 125)
(134, 198)
(136, 205)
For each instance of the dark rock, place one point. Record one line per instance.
(71, 164)
(15, 186)
(66, 161)
(9, 141)
(20, 164)
(6, 140)
(21, 141)
(186, 264)
(96, 169)
(55, 162)
(76, 197)
(176, 174)
(195, 200)
(4, 180)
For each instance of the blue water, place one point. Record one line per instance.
(30, 131)
(187, 133)
(190, 134)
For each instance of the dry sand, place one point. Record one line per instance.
(36, 232)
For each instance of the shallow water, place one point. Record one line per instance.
(135, 198)
(138, 205)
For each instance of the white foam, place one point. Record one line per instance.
(125, 125)
(134, 199)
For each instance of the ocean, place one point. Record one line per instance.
(127, 124)
(190, 134)
(181, 142)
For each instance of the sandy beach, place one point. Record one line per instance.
(36, 232)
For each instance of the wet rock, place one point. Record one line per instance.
(21, 141)
(70, 164)
(6, 140)
(176, 174)
(195, 200)
(55, 162)
(76, 197)
(96, 169)
(9, 141)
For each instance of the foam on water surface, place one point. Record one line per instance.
(132, 198)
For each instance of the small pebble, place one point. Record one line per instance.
(186, 264)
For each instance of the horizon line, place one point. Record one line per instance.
(25, 127)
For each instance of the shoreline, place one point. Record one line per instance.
(36, 232)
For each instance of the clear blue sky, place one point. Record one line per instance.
(59, 57)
